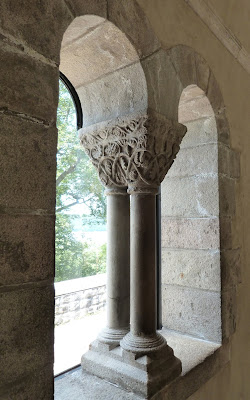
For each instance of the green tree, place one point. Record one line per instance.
(77, 183)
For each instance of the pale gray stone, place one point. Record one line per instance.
(121, 93)
(130, 19)
(162, 79)
(79, 27)
(23, 239)
(192, 311)
(192, 268)
(90, 56)
(192, 196)
(194, 109)
(190, 233)
(199, 132)
(195, 161)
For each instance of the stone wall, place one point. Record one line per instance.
(74, 299)
(190, 226)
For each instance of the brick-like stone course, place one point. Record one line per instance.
(28, 156)
(26, 340)
(192, 268)
(190, 233)
(27, 85)
(192, 311)
(74, 305)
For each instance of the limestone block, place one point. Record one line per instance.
(128, 16)
(80, 26)
(26, 337)
(27, 164)
(194, 109)
(39, 25)
(195, 161)
(190, 233)
(120, 93)
(37, 384)
(194, 196)
(227, 196)
(234, 164)
(27, 85)
(183, 58)
(214, 95)
(191, 268)
(230, 268)
(94, 7)
(229, 312)
(102, 51)
(226, 239)
(26, 248)
(222, 127)
(202, 72)
(192, 311)
(162, 79)
(199, 132)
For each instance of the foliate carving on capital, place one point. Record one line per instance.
(135, 152)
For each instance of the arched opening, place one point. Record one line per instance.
(191, 283)
(80, 262)
(103, 67)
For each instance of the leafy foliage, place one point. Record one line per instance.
(77, 184)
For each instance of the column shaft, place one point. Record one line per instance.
(118, 271)
(143, 264)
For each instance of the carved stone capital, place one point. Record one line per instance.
(133, 152)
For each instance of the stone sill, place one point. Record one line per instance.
(200, 361)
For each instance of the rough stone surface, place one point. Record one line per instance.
(190, 233)
(227, 196)
(161, 79)
(40, 25)
(192, 351)
(27, 85)
(195, 161)
(22, 243)
(37, 384)
(27, 163)
(200, 131)
(202, 72)
(192, 268)
(192, 311)
(26, 340)
(97, 53)
(129, 17)
(229, 312)
(79, 384)
(79, 27)
(93, 7)
(230, 268)
(195, 108)
(192, 196)
(183, 59)
(214, 94)
(121, 93)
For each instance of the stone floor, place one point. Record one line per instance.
(76, 385)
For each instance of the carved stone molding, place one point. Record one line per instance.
(134, 152)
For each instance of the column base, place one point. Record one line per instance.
(140, 345)
(112, 336)
(142, 374)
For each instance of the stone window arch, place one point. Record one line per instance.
(163, 75)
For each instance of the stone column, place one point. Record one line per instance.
(143, 338)
(136, 153)
(118, 271)
(100, 143)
